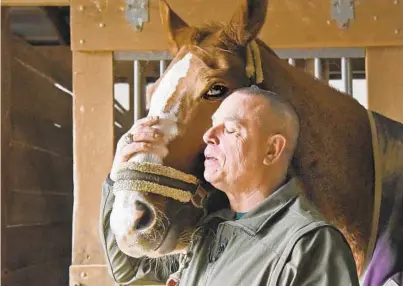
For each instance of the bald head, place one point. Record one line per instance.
(250, 143)
(276, 115)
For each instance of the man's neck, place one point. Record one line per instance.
(243, 199)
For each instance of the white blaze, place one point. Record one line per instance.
(168, 120)
(168, 84)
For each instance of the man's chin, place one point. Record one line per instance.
(213, 179)
(209, 177)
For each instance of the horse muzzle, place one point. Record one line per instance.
(153, 205)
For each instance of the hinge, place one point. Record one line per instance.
(342, 11)
(137, 13)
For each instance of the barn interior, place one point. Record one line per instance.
(74, 75)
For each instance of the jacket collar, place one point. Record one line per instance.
(253, 221)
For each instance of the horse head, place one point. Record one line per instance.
(208, 64)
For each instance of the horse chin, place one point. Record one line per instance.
(169, 243)
(166, 248)
(174, 241)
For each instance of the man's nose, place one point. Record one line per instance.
(210, 137)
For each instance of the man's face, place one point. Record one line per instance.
(236, 142)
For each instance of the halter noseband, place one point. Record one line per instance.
(160, 180)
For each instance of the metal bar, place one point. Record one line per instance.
(320, 53)
(144, 56)
(318, 68)
(347, 75)
(163, 66)
(282, 53)
(291, 62)
(138, 99)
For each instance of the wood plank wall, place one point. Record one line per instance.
(37, 165)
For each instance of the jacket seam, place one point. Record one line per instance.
(313, 217)
(104, 240)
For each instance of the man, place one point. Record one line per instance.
(271, 235)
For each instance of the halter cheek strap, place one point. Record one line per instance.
(253, 66)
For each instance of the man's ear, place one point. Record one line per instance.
(179, 32)
(275, 148)
(247, 21)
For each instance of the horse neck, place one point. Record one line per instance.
(303, 90)
(328, 117)
(334, 154)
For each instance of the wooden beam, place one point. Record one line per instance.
(34, 60)
(61, 27)
(35, 3)
(37, 244)
(324, 64)
(384, 71)
(49, 273)
(38, 171)
(93, 149)
(34, 93)
(60, 54)
(30, 130)
(96, 275)
(102, 25)
(90, 275)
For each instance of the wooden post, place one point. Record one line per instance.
(35, 2)
(384, 69)
(325, 70)
(309, 66)
(93, 154)
(5, 129)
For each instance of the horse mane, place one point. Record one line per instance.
(266, 47)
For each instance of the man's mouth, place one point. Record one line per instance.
(210, 157)
(210, 161)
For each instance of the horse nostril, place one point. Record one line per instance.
(147, 217)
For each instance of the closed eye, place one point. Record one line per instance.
(229, 131)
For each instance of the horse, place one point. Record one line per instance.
(349, 160)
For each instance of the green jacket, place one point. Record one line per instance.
(283, 241)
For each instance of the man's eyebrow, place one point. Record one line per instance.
(232, 118)
(229, 118)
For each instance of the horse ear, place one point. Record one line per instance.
(247, 21)
(179, 33)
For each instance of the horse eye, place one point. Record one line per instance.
(216, 92)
